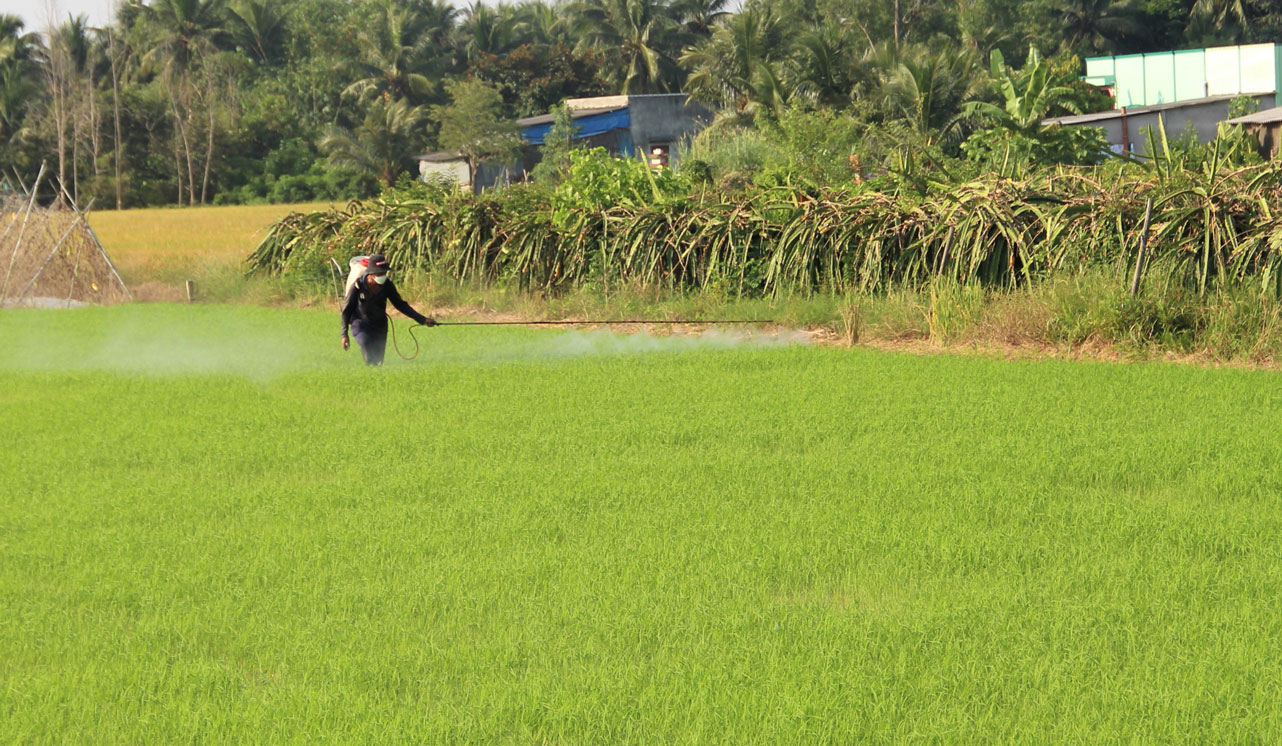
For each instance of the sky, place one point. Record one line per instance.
(35, 13)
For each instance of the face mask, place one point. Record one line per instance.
(380, 279)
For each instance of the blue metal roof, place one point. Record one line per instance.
(596, 124)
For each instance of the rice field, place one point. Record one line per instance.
(143, 242)
(218, 527)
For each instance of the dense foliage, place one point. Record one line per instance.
(1211, 222)
(200, 101)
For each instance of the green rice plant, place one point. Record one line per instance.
(584, 538)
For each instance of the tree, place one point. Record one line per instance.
(738, 67)
(700, 17)
(928, 88)
(1086, 27)
(1028, 96)
(184, 33)
(536, 22)
(637, 38)
(984, 25)
(557, 146)
(259, 28)
(68, 54)
(826, 69)
(19, 86)
(381, 145)
(534, 77)
(119, 54)
(485, 30)
(396, 47)
(473, 125)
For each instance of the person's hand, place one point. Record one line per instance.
(346, 343)
(429, 321)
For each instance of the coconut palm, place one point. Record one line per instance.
(637, 38)
(71, 41)
(400, 48)
(1097, 26)
(381, 144)
(700, 17)
(928, 88)
(184, 30)
(259, 27)
(487, 30)
(15, 45)
(826, 67)
(1226, 19)
(537, 22)
(738, 67)
(18, 85)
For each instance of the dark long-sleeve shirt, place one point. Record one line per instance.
(370, 306)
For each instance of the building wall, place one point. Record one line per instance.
(1268, 136)
(667, 120)
(456, 170)
(1205, 118)
(1167, 77)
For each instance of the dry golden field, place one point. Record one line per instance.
(154, 244)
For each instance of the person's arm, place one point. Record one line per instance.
(349, 308)
(394, 296)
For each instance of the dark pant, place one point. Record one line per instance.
(373, 341)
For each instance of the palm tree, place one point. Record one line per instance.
(395, 49)
(183, 31)
(636, 37)
(259, 27)
(485, 30)
(826, 69)
(183, 34)
(700, 17)
(68, 93)
(381, 144)
(738, 67)
(17, 90)
(929, 86)
(18, 84)
(537, 22)
(1096, 26)
(14, 44)
(985, 25)
(1227, 19)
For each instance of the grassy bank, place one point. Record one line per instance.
(220, 527)
(1083, 316)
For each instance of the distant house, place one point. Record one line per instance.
(649, 126)
(1187, 74)
(628, 126)
(444, 165)
(1187, 88)
(1266, 126)
(1126, 129)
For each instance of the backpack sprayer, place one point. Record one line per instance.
(357, 267)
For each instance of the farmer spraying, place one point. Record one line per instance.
(365, 309)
